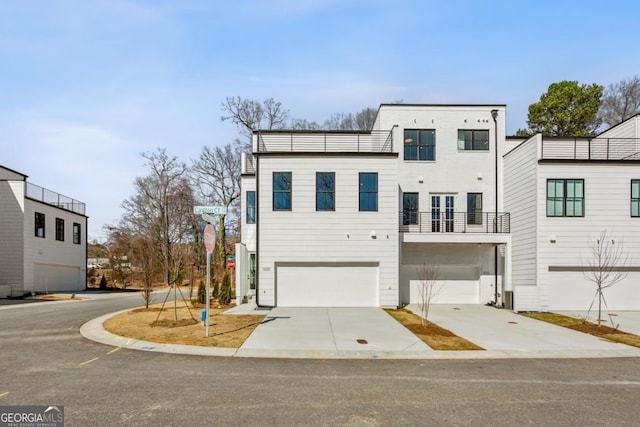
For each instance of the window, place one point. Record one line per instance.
(419, 144)
(635, 197)
(409, 208)
(39, 224)
(76, 233)
(325, 191)
(251, 207)
(368, 191)
(473, 140)
(565, 197)
(474, 208)
(252, 271)
(282, 191)
(60, 229)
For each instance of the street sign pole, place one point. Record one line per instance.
(208, 304)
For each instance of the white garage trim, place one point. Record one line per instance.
(327, 284)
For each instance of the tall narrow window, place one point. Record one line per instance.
(77, 229)
(40, 224)
(368, 191)
(473, 140)
(474, 208)
(419, 144)
(251, 207)
(565, 197)
(282, 191)
(409, 208)
(60, 229)
(325, 191)
(635, 197)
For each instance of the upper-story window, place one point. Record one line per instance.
(282, 191)
(473, 140)
(60, 229)
(251, 207)
(325, 191)
(40, 220)
(565, 197)
(76, 233)
(474, 208)
(368, 191)
(635, 197)
(419, 144)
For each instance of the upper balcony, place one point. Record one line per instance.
(52, 198)
(602, 149)
(280, 141)
(455, 222)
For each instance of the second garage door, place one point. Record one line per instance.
(327, 285)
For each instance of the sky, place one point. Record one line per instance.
(87, 86)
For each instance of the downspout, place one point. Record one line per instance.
(494, 115)
(257, 167)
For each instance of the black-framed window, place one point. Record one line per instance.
(473, 140)
(474, 208)
(60, 229)
(39, 225)
(251, 207)
(635, 197)
(282, 191)
(77, 230)
(325, 191)
(368, 191)
(565, 197)
(419, 144)
(409, 208)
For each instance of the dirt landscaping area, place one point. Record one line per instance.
(225, 330)
(58, 297)
(431, 334)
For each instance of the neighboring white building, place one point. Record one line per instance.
(43, 238)
(348, 218)
(562, 193)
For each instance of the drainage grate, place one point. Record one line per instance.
(361, 341)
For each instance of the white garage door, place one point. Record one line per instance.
(54, 278)
(455, 285)
(333, 285)
(569, 290)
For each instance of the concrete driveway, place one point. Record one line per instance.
(332, 330)
(498, 329)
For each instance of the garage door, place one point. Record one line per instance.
(569, 290)
(327, 285)
(455, 285)
(54, 278)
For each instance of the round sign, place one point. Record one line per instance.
(209, 238)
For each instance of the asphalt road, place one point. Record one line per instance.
(45, 361)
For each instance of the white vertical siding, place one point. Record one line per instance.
(521, 200)
(11, 235)
(343, 235)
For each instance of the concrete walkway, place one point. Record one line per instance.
(333, 333)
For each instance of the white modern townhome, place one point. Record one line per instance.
(563, 193)
(353, 219)
(43, 240)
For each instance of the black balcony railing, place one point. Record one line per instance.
(591, 149)
(55, 199)
(455, 222)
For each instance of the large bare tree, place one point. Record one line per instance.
(161, 208)
(216, 178)
(250, 115)
(620, 101)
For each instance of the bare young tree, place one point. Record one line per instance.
(216, 178)
(143, 248)
(620, 101)
(605, 268)
(427, 289)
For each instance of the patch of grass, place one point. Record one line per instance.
(431, 334)
(580, 325)
(225, 330)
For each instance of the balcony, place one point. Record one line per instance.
(591, 149)
(49, 197)
(455, 222)
(323, 142)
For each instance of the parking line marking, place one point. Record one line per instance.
(114, 350)
(4, 394)
(89, 361)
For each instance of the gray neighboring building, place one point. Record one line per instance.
(43, 238)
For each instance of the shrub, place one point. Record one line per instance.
(202, 292)
(224, 297)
